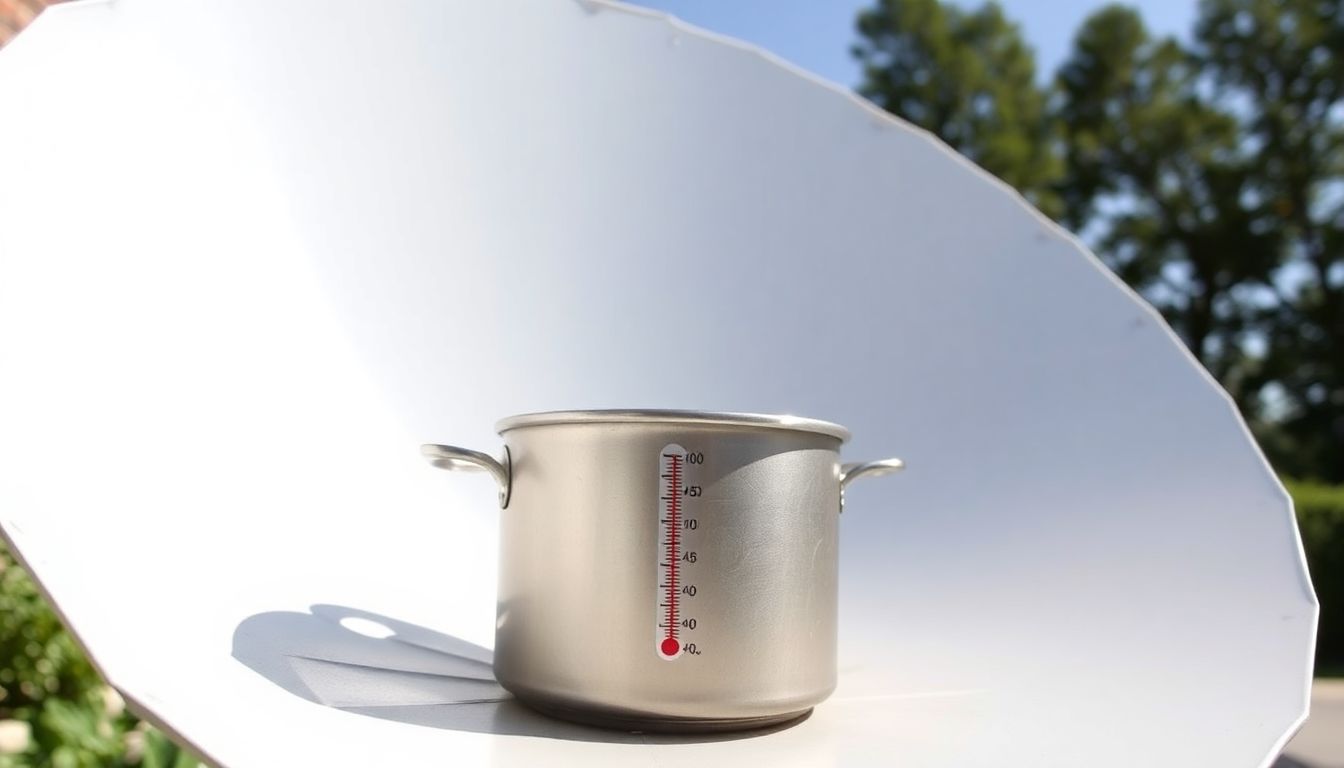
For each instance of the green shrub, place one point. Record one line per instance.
(1320, 517)
(54, 709)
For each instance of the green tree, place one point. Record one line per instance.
(54, 709)
(1160, 175)
(967, 77)
(1320, 518)
(1281, 64)
(1210, 176)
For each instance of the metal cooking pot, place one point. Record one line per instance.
(667, 570)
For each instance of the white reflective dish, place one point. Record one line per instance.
(253, 254)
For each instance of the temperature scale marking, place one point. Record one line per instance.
(671, 580)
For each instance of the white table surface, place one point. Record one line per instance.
(252, 254)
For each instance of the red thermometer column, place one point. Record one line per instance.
(676, 558)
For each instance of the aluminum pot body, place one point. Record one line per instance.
(581, 594)
(594, 623)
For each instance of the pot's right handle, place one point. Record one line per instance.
(851, 472)
(458, 459)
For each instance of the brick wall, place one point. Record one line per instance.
(15, 15)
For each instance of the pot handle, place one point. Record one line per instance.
(851, 472)
(466, 460)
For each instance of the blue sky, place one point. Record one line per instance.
(816, 34)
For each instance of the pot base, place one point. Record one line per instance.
(652, 724)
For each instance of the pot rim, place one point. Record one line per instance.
(668, 416)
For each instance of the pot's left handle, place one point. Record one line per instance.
(467, 460)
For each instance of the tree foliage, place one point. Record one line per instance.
(1280, 63)
(1161, 175)
(1320, 517)
(55, 712)
(967, 77)
(1209, 175)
